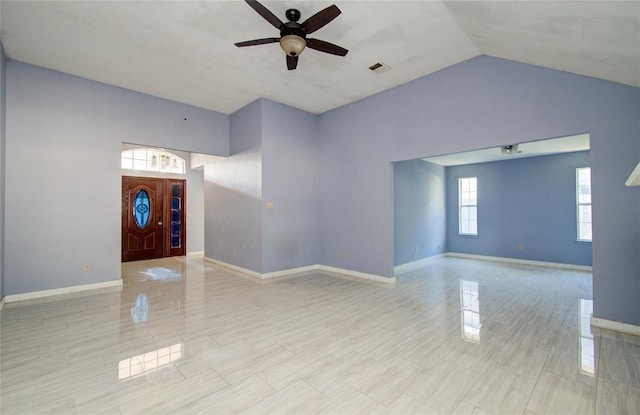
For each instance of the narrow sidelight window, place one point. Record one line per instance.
(583, 202)
(468, 205)
(176, 207)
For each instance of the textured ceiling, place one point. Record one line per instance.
(184, 50)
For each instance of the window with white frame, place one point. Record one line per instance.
(468, 205)
(152, 159)
(583, 202)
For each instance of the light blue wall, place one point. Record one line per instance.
(419, 200)
(3, 88)
(483, 102)
(290, 182)
(529, 202)
(63, 143)
(233, 194)
(273, 161)
(356, 180)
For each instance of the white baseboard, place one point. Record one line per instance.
(615, 326)
(572, 267)
(414, 265)
(301, 270)
(232, 267)
(193, 254)
(357, 274)
(84, 288)
(290, 272)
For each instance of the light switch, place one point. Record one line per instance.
(269, 205)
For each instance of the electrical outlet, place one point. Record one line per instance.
(236, 252)
(344, 255)
(520, 247)
(269, 205)
(86, 267)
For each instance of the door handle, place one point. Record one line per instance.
(159, 223)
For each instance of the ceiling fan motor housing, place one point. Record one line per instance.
(293, 15)
(293, 28)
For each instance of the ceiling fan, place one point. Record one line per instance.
(293, 35)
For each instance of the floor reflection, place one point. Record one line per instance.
(145, 363)
(161, 273)
(470, 311)
(150, 321)
(140, 310)
(587, 348)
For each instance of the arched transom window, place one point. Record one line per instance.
(152, 159)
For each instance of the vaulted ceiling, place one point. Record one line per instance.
(184, 50)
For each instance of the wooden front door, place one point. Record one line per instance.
(153, 224)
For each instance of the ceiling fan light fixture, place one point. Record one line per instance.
(292, 45)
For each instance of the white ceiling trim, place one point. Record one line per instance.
(547, 147)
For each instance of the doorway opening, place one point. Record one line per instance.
(519, 202)
(153, 218)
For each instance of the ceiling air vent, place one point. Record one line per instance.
(379, 68)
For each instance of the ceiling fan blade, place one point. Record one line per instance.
(256, 42)
(292, 62)
(265, 13)
(326, 47)
(321, 18)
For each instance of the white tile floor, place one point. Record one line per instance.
(185, 337)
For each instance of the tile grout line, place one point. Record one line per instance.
(533, 390)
